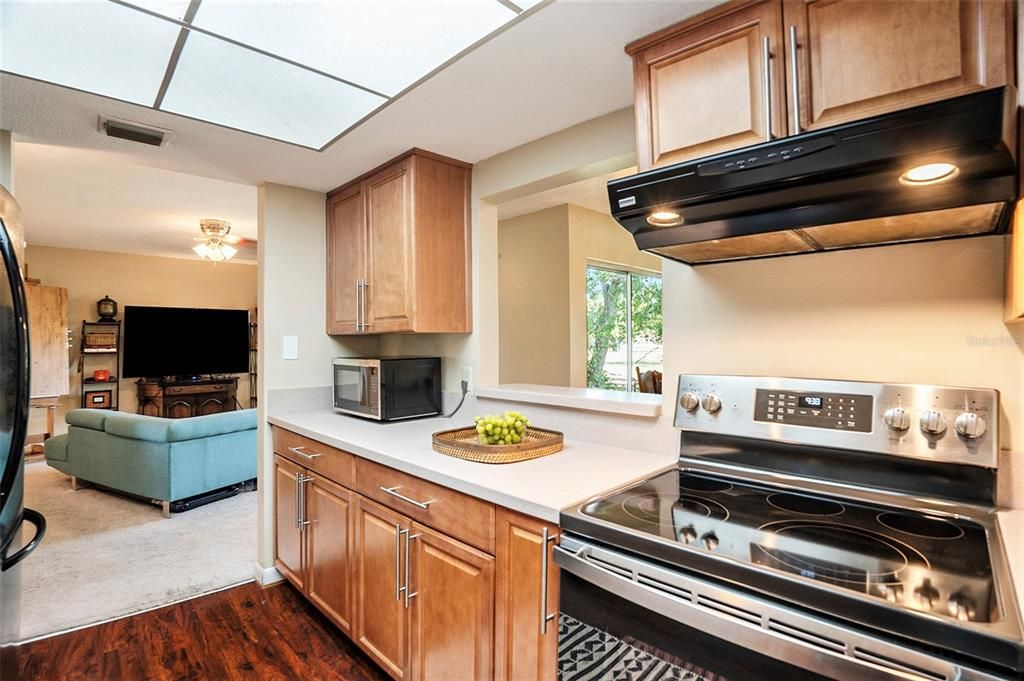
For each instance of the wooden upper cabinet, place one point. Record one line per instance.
(329, 550)
(700, 87)
(392, 286)
(525, 647)
(860, 58)
(452, 606)
(346, 259)
(288, 536)
(398, 256)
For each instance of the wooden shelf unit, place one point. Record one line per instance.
(100, 359)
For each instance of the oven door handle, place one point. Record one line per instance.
(801, 640)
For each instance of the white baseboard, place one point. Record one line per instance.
(266, 575)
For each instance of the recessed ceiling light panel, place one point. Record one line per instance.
(100, 47)
(174, 9)
(229, 85)
(382, 45)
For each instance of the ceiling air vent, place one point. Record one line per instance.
(134, 132)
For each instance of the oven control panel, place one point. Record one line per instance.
(933, 422)
(838, 411)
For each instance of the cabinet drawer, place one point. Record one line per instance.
(454, 513)
(329, 462)
(193, 389)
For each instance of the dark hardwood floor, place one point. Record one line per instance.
(243, 633)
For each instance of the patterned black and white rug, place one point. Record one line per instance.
(589, 654)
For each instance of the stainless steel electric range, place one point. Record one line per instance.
(812, 529)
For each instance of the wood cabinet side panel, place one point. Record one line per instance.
(521, 651)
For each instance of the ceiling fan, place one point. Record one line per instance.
(217, 243)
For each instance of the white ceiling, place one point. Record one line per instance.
(93, 200)
(558, 66)
(562, 65)
(591, 193)
(301, 72)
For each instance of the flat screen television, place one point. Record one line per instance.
(183, 341)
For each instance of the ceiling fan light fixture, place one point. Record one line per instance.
(213, 245)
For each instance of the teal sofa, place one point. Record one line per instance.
(164, 460)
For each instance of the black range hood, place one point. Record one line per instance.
(936, 171)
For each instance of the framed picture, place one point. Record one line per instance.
(99, 399)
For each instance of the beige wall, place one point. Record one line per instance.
(292, 295)
(6, 161)
(542, 278)
(533, 313)
(133, 280)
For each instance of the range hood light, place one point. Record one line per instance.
(664, 218)
(929, 173)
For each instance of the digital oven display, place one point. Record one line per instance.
(810, 401)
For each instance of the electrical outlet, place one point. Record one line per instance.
(467, 376)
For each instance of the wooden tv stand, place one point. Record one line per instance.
(182, 399)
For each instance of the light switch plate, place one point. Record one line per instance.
(290, 347)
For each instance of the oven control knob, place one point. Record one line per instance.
(897, 418)
(710, 541)
(961, 607)
(926, 594)
(970, 425)
(933, 422)
(893, 592)
(711, 403)
(689, 534)
(689, 401)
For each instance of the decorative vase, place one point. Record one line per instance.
(106, 307)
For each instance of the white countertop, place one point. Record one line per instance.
(540, 488)
(589, 399)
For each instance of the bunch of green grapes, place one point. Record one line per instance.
(506, 429)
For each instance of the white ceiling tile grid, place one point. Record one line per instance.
(301, 72)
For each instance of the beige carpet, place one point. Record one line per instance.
(106, 555)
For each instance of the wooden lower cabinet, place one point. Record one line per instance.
(288, 544)
(424, 605)
(525, 648)
(381, 625)
(313, 542)
(329, 509)
(451, 590)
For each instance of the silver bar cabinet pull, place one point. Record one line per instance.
(359, 293)
(300, 452)
(424, 505)
(298, 501)
(303, 522)
(793, 56)
(544, 616)
(362, 302)
(409, 593)
(767, 56)
(398, 560)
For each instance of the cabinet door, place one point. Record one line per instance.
(859, 58)
(381, 620)
(452, 590)
(346, 259)
(213, 405)
(288, 544)
(702, 90)
(525, 646)
(391, 292)
(48, 335)
(329, 550)
(180, 408)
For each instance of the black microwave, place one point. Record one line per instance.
(388, 388)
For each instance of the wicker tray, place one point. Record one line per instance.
(463, 443)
